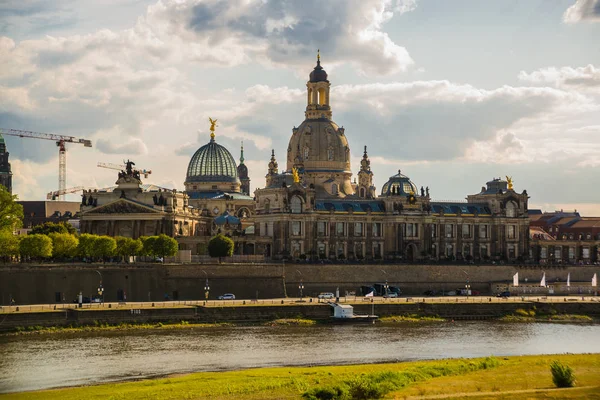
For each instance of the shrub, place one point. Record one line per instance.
(366, 389)
(220, 246)
(562, 375)
(326, 393)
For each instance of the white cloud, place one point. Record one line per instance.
(579, 77)
(583, 10)
(133, 146)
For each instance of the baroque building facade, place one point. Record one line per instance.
(313, 209)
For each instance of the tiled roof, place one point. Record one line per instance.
(462, 208)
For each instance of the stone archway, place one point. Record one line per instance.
(411, 252)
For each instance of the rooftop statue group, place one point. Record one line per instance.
(129, 171)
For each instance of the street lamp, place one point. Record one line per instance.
(301, 287)
(386, 287)
(467, 288)
(206, 290)
(100, 288)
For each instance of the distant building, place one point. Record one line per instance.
(39, 212)
(562, 237)
(5, 170)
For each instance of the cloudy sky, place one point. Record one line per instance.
(453, 92)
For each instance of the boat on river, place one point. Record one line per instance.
(344, 313)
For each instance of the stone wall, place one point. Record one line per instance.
(42, 283)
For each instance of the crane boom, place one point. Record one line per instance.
(60, 141)
(47, 136)
(120, 167)
(57, 193)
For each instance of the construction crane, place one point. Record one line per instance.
(121, 167)
(54, 195)
(61, 142)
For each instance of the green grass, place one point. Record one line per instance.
(524, 316)
(409, 318)
(291, 321)
(509, 378)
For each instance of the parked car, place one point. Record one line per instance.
(227, 296)
(326, 295)
(430, 293)
(504, 295)
(451, 293)
(391, 295)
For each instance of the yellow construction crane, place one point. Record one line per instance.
(61, 141)
(121, 167)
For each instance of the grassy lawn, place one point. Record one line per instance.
(525, 377)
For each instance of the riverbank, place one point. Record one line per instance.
(249, 313)
(484, 378)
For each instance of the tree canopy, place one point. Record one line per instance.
(127, 247)
(165, 246)
(53, 227)
(64, 245)
(35, 246)
(104, 246)
(9, 244)
(220, 246)
(86, 245)
(11, 213)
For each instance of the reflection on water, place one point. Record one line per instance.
(44, 361)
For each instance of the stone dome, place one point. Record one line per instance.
(319, 145)
(399, 185)
(212, 163)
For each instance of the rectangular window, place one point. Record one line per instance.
(585, 252)
(571, 253)
(466, 231)
(558, 253)
(483, 252)
(449, 230)
(544, 252)
(322, 251)
(322, 228)
(376, 229)
(483, 231)
(340, 228)
(434, 231)
(377, 250)
(511, 232)
(412, 230)
(296, 228)
(358, 229)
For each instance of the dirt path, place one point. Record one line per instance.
(495, 394)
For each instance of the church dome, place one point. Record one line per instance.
(319, 145)
(399, 185)
(212, 163)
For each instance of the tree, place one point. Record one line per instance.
(52, 227)
(9, 244)
(104, 246)
(165, 246)
(64, 245)
(148, 245)
(86, 245)
(127, 247)
(35, 246)
(220, 246)
(11, 213)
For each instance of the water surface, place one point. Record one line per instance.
(34, 362)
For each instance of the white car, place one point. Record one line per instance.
(326, 295)
(227, 296)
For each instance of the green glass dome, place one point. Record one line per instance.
(212, 163)
(399, 185)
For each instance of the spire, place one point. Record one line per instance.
(319, 57)
(365, 163)
(242, 153)
(273, 166)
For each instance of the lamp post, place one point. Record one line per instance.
(100, 288)
(206, 290)
(467, 284)
(386, 287)
(301, 288)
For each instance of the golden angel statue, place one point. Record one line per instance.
(213, 124)
(510, 182)
(295, 175)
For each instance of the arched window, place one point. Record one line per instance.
(362, 192)
(296, 205)
(330, 154)
(322, 100)
(334, 188)
(306, 153)
(310, 95)
(511, 209)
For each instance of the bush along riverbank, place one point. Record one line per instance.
(533, 315)
(515, 378)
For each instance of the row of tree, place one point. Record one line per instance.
(62, 246)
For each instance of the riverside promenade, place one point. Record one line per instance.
(19, 317)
